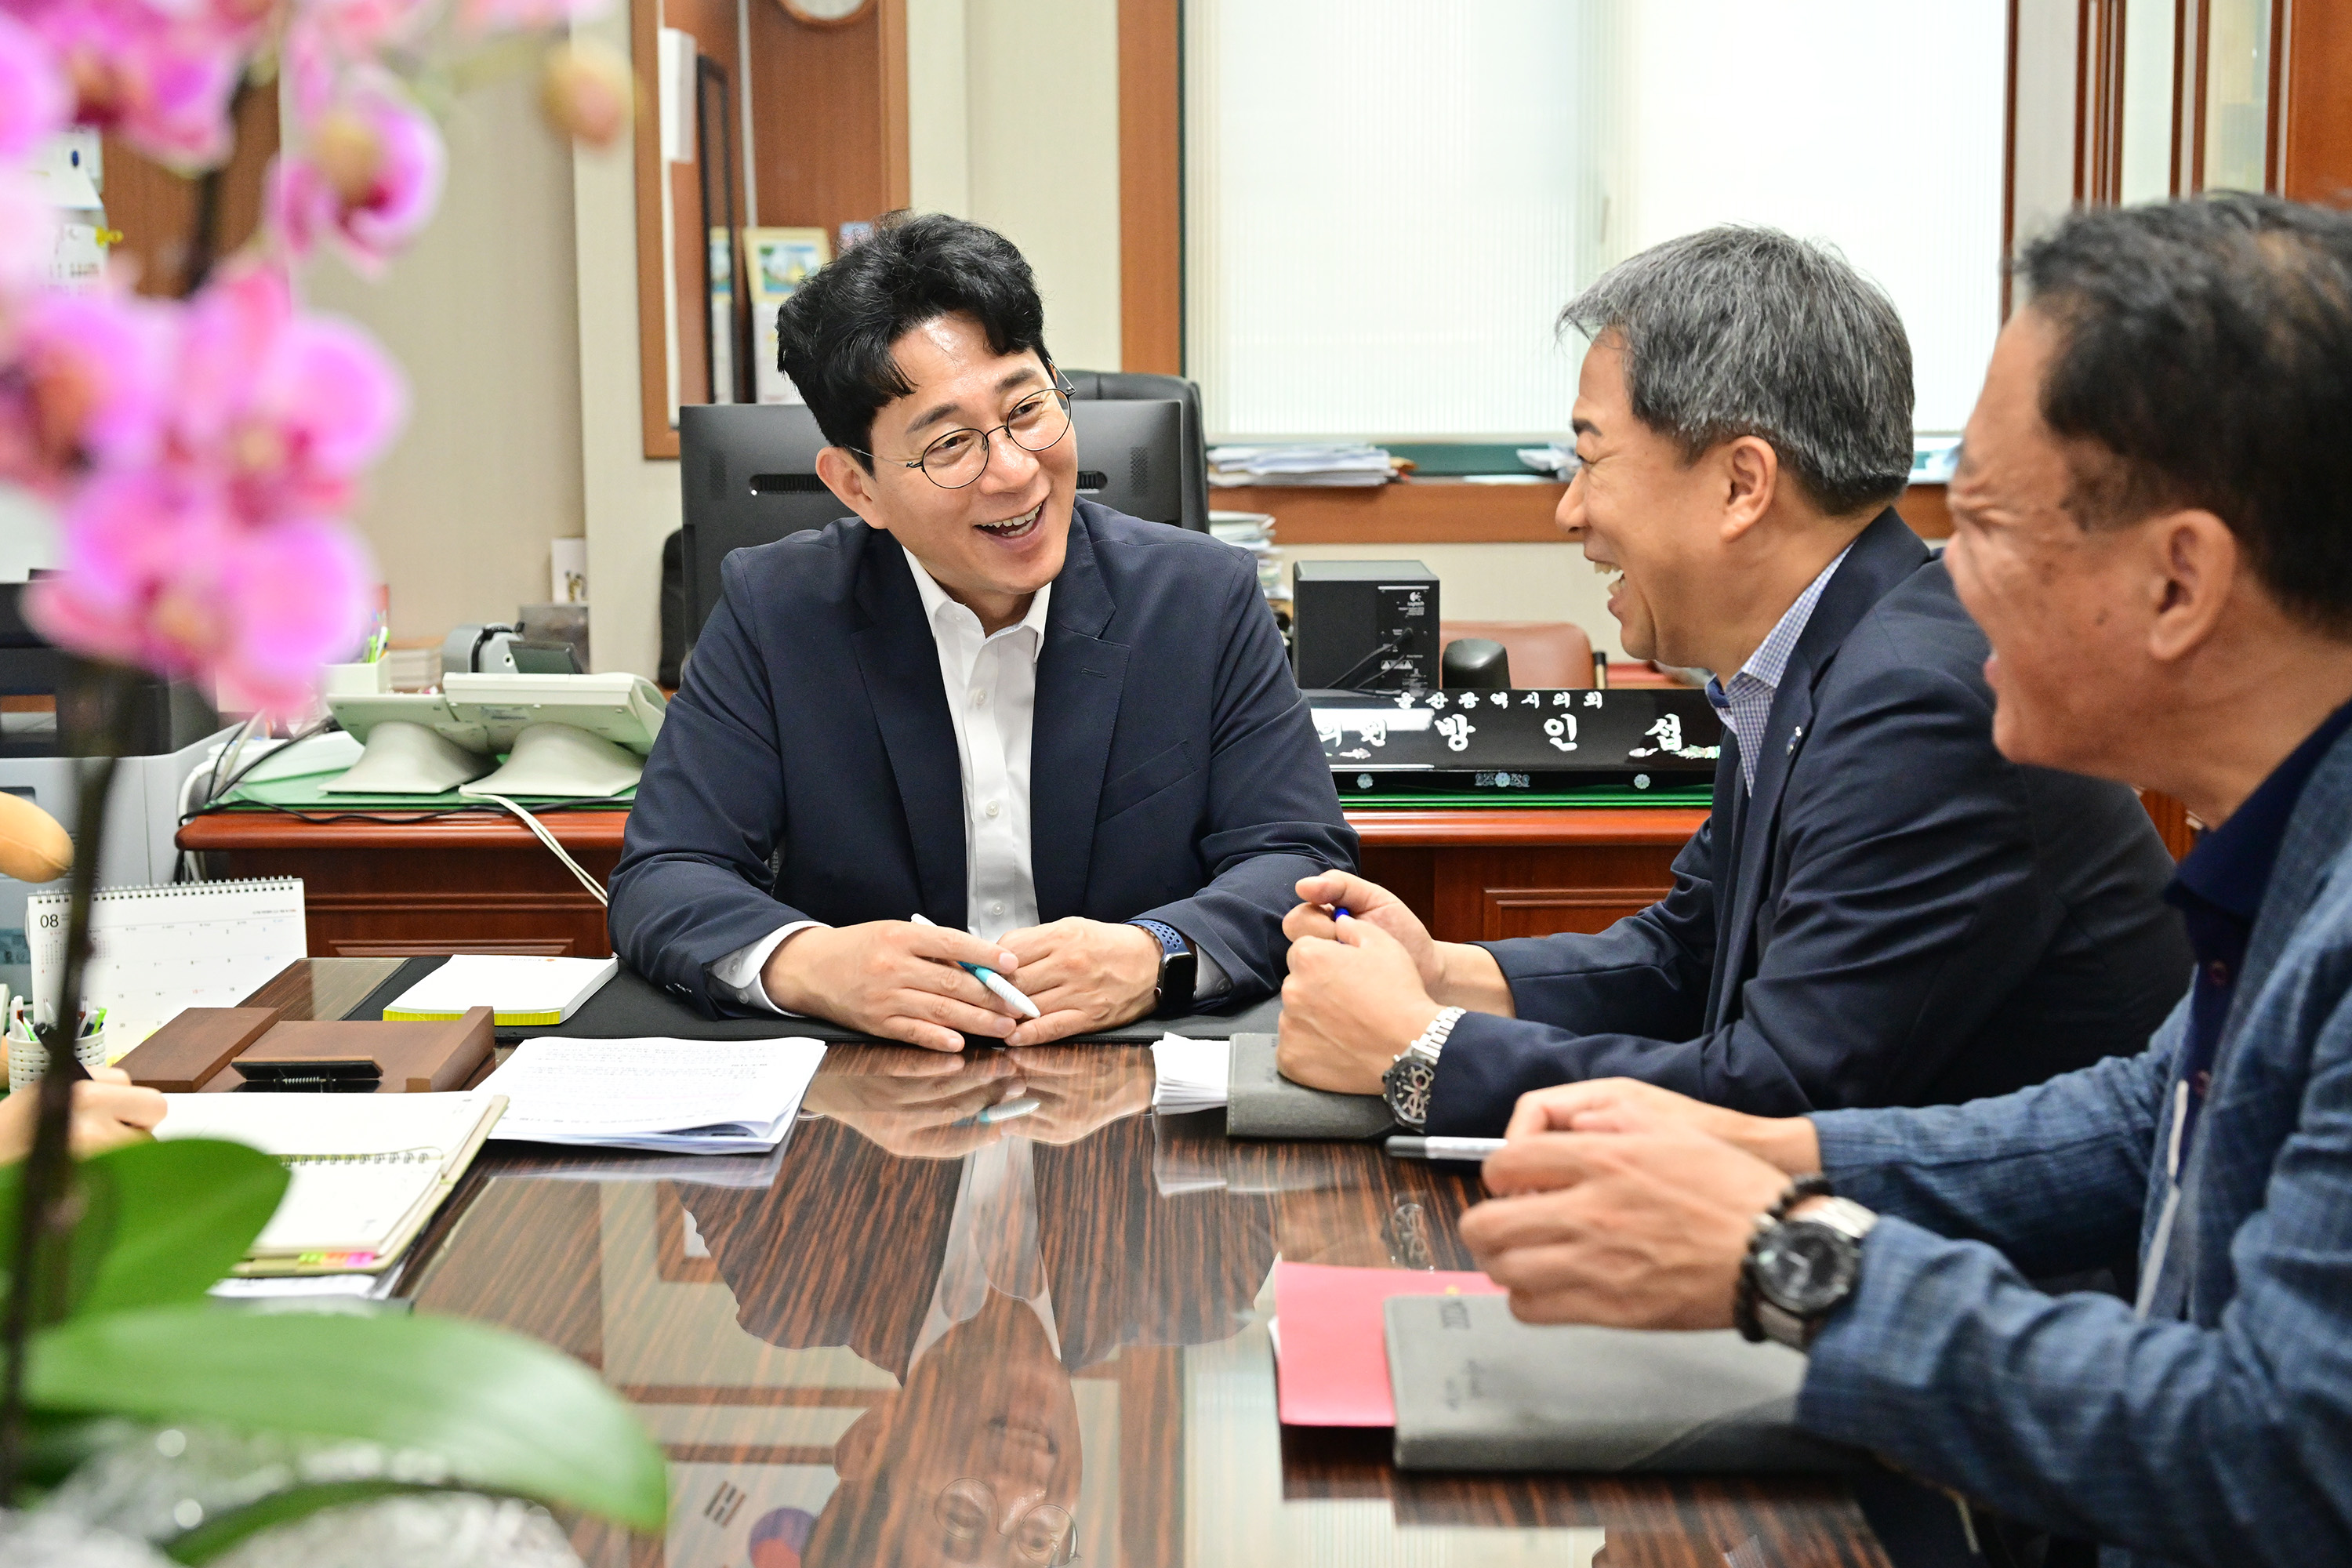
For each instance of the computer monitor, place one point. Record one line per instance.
(748, 476)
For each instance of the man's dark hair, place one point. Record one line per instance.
(834, 335)
(2205, 361)
(1738, 331)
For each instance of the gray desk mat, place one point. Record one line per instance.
(630, 1005)
(1262, 1103)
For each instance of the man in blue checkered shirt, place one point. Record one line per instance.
(2154, 517)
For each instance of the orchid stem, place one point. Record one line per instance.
(36, 1285)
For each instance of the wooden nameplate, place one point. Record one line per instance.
(190, 1051)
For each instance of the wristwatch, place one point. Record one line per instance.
(1407, 1082)
(1179, 970)
(1798, 1271)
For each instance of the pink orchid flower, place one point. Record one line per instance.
(33, 99)
(28, 239)
(163, 75)
(288, 408)
(369, 179)
(160, 571)
(85, 384)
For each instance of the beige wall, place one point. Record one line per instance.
(481, 314)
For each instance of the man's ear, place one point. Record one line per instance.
(2196, 562)
(846, 477)
(1750, 472)
(859, 1451)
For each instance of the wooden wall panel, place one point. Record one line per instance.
(2316, 161)
(155, 209)
(821, 100)
(1150, 186)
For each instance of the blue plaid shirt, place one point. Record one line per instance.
(1746, 702)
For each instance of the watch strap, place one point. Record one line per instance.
(1409, 1078)
(1745, 1299)
(1174, 987)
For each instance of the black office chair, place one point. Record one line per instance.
(1140, 387)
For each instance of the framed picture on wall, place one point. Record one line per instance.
(779, 260)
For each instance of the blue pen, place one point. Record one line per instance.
(990, 978)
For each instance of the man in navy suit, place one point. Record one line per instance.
(1881, 909)
(1066, 737)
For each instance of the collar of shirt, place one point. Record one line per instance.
(2230, 870)
(1746, 702)
(935, 597)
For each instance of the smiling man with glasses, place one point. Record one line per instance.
(1066, 737)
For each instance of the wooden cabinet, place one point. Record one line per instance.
(1480, 875)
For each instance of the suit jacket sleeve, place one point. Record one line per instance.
(692, 883)
(1273, 814)
(1911, 904)
(2229, 1444)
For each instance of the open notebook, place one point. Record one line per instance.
(368, 1169)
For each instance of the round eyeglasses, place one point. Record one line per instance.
(1044, 1533)
(960, 457)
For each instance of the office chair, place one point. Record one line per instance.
(1137, 385)
(1552, 654)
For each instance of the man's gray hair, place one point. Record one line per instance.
(1748, 331)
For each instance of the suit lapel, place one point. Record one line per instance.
(1883, 554)
(1730, 816)
(899, 661)
(1080, 678)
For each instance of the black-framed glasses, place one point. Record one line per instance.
(1045, 1533)
(960, 457)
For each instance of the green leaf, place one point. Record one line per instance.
(158, 1222)
(218, 1534)
(506, 1413)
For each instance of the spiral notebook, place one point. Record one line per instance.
(367, 1170)
(155, 950)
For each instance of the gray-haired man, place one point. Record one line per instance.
(1881, 910)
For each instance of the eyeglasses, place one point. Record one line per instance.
(960, 457)
(1044, 1533)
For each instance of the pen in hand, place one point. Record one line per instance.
(988, 978)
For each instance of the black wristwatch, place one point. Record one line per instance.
(1179, 970)
(1798, 1271)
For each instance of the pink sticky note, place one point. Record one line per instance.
(1333, 1369)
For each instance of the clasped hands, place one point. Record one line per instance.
(900, 980)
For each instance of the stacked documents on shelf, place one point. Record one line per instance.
(520, 992)
(368, 1169)
(1194, 1075)
(1300, 465)
(681, 1096)
(1254, 532)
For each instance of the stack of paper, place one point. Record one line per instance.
(520, 992)
(1194, 1075)
(1254, 532)
(682, 1096)
(1300, 465)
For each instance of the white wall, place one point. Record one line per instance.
(481, 314)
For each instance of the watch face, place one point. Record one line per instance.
(1805, 1267)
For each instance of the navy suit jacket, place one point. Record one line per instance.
(1897, 915)
(807, 768)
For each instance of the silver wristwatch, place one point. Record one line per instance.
(1803, 1269)
(1407, 1082)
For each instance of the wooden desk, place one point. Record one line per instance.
(727, 1317)
(483, 884)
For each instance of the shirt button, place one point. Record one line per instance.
(994, 808)
(980, 698)
(2218, 972)
(996, 908)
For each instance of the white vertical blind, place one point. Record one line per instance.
(1387, 204)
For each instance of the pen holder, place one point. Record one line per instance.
(355, 679)
(29, 1059)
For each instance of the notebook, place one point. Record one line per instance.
(1262, 1103)
(676, 1097)
(367, 1170)
(1475, 1389)
(155, 950)
(1333, 1365)
(518, 991)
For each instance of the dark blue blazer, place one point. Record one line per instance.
(1898, 916)
(807, 768)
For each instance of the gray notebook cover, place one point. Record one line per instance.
(1262, 1103)
(1478, 1390)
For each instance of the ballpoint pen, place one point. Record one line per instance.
(1402, 1147)
(990, 978)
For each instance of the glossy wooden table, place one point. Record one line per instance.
(766, 1331)
(481, 883)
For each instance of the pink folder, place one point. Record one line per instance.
(1333, 1366)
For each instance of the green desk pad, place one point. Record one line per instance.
(1454, 460)
(308, 792)
(1532, 800)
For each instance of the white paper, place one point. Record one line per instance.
(154, 951)
(328, 1123)
(678, 1096)
(511, 986)
(1192, 1075)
